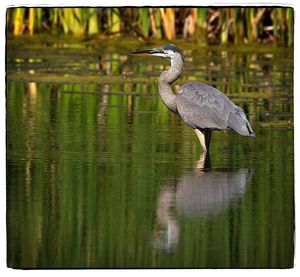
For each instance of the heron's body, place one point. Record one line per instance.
(201, 107)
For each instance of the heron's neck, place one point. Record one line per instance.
(166, 79)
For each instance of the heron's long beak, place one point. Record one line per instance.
(147, 51)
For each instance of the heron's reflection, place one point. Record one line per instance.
(201, 193)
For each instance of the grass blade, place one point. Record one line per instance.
(18, 21)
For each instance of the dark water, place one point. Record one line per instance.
(101, 175)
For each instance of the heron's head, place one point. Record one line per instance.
(166, 51)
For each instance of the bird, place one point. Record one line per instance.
(200, 106)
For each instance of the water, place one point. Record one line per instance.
(101, 175)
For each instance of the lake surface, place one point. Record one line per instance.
(101, 175)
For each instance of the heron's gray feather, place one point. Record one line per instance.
(204, 107)
(237, 121)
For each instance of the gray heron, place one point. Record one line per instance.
(201, 107)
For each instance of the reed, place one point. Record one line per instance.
(54, 14)
(80, 21)
(31, 21)
(190, 23)
(18, 19)
(168, 22)
(158, 23)
(65, 17)
(251, 25)
(201, 16)
(152, 23)
(280, 15)
(115, 21)
(73, 20)
(93, 21)
(200, 35)
(144, 22)
(290, 26)
(275, 24)
(224, 29)
(202, 24)
(237, 26)
(38, 19)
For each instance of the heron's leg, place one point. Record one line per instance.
(201, 138)
(207, 135)
(203, 164)
(204, 137)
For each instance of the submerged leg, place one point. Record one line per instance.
(207, 135)
(204, 138)
(203, 164)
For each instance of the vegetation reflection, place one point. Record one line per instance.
(86, 175)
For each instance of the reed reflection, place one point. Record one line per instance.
(198, 194)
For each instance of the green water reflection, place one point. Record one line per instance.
(103, 176)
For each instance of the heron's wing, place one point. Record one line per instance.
(202, 106)
(238, 121)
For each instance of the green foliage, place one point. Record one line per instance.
(93, 21)
(18, 19)
(115, 22)
(201, 19)
(144, 21)
(222, 25)
(290, 26)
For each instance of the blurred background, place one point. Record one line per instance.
(213, 25)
